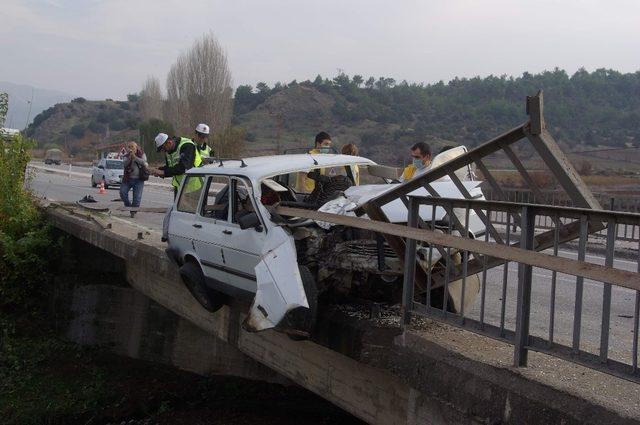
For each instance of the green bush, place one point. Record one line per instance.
(78, 131)
(28, 250)
(96, 127)
(118, 125)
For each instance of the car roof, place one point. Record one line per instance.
(260, 167)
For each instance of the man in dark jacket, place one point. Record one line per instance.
(181, 154)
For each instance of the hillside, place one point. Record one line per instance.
(19, 97)
(585, 111)
(81, 124)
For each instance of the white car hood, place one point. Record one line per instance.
(396, 212)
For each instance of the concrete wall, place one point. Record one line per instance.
(130, 324)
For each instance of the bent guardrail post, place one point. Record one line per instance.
(409, 266)
(535, 131)
(523, 302)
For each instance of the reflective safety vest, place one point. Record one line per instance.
(173, 159)
(206, 152)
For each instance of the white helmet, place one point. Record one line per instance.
(202, 128)
(160, 140)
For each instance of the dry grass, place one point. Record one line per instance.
(610, 180)
(513, 179)
(544, 179)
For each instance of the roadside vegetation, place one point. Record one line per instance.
(47, 380)
(28, 249)
(590, 108)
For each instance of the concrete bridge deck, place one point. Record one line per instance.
(433, 373)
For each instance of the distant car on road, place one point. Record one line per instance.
(107, 171)
(53, 156)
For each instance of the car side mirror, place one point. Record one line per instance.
(250, 220)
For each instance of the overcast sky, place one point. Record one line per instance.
(106, 48)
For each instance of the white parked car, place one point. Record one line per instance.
(107, 171)
(227, 243)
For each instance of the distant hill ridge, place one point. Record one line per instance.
(20, 96)
(383, 116)
(80, 125)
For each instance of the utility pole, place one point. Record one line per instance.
(30, 102)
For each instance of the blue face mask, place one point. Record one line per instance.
(417, 162)
(324, 149)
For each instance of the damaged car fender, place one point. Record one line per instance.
(279, 284)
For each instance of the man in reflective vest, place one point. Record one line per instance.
(202, 134)
(181, 154)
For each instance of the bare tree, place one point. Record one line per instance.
(151, 99)
(177, 106)
(199, 90)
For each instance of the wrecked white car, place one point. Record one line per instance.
(228, 243)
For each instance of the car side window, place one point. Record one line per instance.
(190, 194)
(242, 203)
(216, 203)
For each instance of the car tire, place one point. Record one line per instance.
(193, 279)
(93, 183)
(302, 321)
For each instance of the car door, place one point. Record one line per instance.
(184, 222)
(243, 247)
(212, 232)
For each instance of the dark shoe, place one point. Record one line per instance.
(87, 198)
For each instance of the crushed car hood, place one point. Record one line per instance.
(396, 212)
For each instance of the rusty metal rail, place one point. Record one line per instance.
(515, 328)
(519, 334)
(612, 201)
(535, 132)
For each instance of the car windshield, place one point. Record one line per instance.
(299, 182)
(114, 165)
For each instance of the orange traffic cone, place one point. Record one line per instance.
(102, 191)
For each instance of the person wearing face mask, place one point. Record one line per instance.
(421, 158)
(322, 146)
(323, 143)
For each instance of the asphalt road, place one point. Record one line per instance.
(71, 188)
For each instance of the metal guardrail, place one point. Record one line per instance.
(620, 203)
(68, 172)
(517, 247)
(516, 330)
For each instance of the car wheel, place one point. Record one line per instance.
(193, 279)
(302, 321)
(93, 183)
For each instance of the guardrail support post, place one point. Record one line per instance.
(409, 265)
(523, 306)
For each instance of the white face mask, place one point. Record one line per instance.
(417, 162)
(325, 149)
